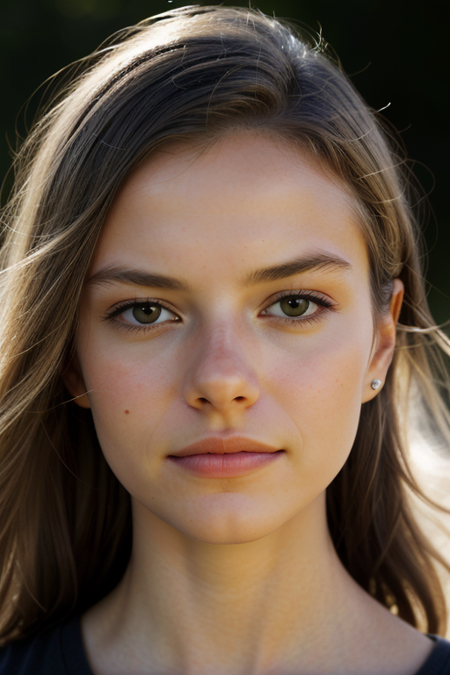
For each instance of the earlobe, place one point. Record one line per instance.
(386, 334)
(74, 382)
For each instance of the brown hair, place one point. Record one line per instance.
(193, 73)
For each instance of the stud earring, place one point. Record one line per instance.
(375, 384)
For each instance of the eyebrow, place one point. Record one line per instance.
(314, 261)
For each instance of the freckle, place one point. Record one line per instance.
(127, 412)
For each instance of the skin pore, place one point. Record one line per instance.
(234, 576)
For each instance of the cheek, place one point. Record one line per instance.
(321, 392)
(129, 391)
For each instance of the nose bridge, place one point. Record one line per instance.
(221, 351)
(222, 340)
(221, 372)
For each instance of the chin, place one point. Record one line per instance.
(230, 519)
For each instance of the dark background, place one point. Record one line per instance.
(395, 52)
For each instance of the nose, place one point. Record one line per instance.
(220, 377)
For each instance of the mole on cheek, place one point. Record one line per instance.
(127, 412)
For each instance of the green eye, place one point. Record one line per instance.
(141, 313)
(294, 306)
(146, 313)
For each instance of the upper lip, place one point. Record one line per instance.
(220, 446)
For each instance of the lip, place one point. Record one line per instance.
(225, 457)
(221, 446)
(225, 465)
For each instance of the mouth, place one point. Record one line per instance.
(225, 446)
(225, 458)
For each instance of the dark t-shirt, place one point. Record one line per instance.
(59, 651)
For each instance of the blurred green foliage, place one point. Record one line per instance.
(395, 52)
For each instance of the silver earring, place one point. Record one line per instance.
(375, 384)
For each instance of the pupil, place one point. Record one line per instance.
(146, 313)
(294, 306)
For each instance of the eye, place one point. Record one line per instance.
(144, 313)
(296, 307)
(139, 314)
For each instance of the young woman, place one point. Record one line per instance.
(214, 341)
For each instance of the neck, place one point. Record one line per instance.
(193, 604)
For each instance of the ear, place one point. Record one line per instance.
(73, 379)
(384, 344)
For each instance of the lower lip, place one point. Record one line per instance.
(226, 465)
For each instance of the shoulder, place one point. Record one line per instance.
(57, 650)
(438, 662)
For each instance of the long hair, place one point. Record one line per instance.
(193, 74)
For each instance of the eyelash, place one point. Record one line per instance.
(305, 295)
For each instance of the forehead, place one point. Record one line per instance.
(245, 193)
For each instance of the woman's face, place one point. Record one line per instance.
(218, 352)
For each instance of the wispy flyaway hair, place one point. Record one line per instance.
(194, 74)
